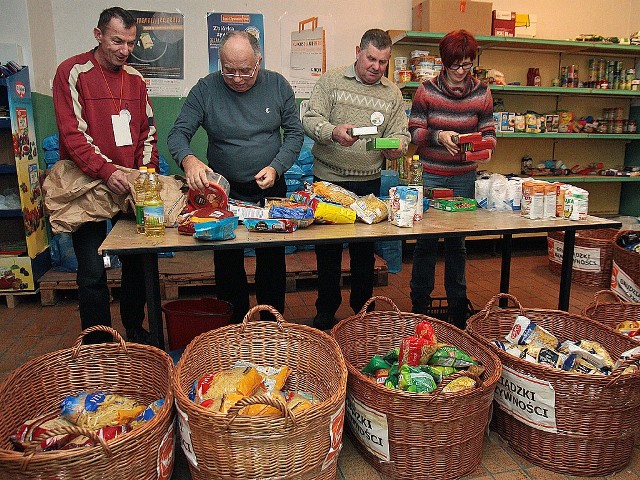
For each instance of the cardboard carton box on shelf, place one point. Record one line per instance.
(445, 16)
(503, 23)
(526, 25)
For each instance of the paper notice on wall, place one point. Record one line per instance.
(369, 426)
(528, 399)
(584, 259)
(623, 284)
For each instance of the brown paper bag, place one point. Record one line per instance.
(308, 50)
(72, 198)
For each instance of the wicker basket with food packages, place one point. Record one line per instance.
(569, 395)
(622, 316)
(90, 411)
(419, 393)
(261, 400)
(591, 259)
(625, 271)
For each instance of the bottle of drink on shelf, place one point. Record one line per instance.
(153, 206)
(415, 180)
(140, 187)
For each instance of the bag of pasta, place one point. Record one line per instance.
(370, 209)
(334, 193)
(100, 409)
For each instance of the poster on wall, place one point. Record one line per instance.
(158, 53)
(305, 43)
(220, 23)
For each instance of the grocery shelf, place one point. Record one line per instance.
(571, 136)
(403, 37)
(587, 178)
(547, 91)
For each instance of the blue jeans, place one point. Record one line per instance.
(93, 293)
(362, 264)
(426, 250)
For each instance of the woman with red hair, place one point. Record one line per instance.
(450, 104)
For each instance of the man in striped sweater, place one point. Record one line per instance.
(450, 104)
(357, 95)
(104, 119)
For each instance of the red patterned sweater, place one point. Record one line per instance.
(437, 107)
(83, 106)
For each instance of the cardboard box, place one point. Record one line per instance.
(526, 25)
(455, 204)
(445, 16)
(503, 23)
(381, 143)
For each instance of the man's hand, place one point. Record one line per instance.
(118, 183)
(445, 137)
(393, 154)
(266, 177)
(195, 172)
(341, 136)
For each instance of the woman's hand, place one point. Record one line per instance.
(445, 137)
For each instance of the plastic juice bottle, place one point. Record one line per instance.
(153, 206)
(140, 187)
(415, 180)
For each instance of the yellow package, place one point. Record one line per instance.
(242, 380)
(459, 384)
(628, 326)
(263, 410)
(300, 401)
(330, 213)
(334, 193)
(99, 409)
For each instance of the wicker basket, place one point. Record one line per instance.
(37, 387)
(625, 272)
(228, 446)
(601, 243)
(438, 434)
(613, 312)
(596, 415)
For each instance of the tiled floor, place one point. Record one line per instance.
(30, 330)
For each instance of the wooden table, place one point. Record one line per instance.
(123, 239)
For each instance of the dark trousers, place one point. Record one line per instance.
(232, 285)
(93, 294)
(329, 264)
(271, 270)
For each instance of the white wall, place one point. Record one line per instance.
(73, 22)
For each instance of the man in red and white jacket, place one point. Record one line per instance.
(104, 119)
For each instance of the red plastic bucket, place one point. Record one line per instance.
(186, 319)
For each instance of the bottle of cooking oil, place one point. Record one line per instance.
(140, 187)
(153, 206)
(415, 180)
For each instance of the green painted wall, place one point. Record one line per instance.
(166, 110)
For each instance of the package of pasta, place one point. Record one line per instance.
(450, 356)
(376, 363)
(459, 384)
(34, 428)
(425, 329)
(273, 378)
(94, 410)
(334, 193)
(241, 380)
(222, 404)
(333, 214)
(416, 351)
(526, 332)
(147, 414)
(299, 401)
(370, 209)
(548, 356)
(629, 327)
(597, 349)
(414, 379)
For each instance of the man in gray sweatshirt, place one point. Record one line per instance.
(242, 108)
